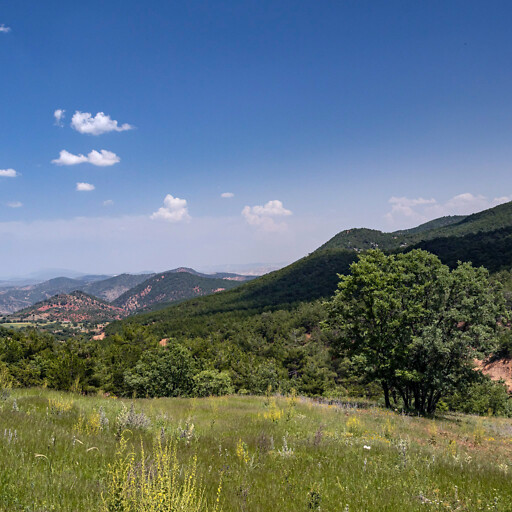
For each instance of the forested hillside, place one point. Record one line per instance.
(170, 286)
(456, 226)
(308, 279)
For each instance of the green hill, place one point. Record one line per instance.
(362, 239)
(484, 238)
(308, 279)
(18, 297)
(489, 249)
(168, 287)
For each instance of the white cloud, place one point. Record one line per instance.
(84, 187)
(174, 210)
(405, 207)
(83, 122)
(102, 158)
(59, 116)
(4, 29)
(15, 204)
(263, 216)
(404, 210)
(67, 158)
(108, 202)
(227, 195)
(8, 173)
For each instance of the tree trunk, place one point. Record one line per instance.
(385, 388)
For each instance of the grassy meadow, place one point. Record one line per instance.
(67, 452)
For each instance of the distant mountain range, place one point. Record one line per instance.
(128, 293)
(483, 238)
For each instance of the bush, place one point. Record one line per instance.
(212, 383)
(484, 397)
(162, 372)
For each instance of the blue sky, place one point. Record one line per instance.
(316, 116)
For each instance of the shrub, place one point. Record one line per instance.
(212, 383)
(129, 419)
(484, 397)
(162, 372)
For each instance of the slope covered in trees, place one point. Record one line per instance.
(308, 279)
(363, 239)
(170, 287)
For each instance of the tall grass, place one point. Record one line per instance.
(67, 452)
(160, 484)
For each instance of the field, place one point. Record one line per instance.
(67, 452)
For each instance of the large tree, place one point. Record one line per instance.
(413, 325)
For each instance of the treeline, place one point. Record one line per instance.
(220, 354)
(282, 349)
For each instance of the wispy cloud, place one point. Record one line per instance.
(101, 158)
(227, 195)
(15, 204)
(8, 173)
(108, 202)
(264, 216)
(173, 210)
(59, 116)
(84, 122)
(84, 187)
(4, 29)
(405, 210)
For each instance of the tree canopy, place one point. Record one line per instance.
(414, 325)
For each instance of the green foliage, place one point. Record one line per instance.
(284, 349)
(491, 249)
(414, 325)
(212, 383)
(165, 371)
(483, 397)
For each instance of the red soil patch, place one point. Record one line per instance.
(499, 369)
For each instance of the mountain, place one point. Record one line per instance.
(217, 275)
(484, 238)
(74, 307)
(361, 239)
(111, 288)
(16, 298)
(174, 285)
(310, 278)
